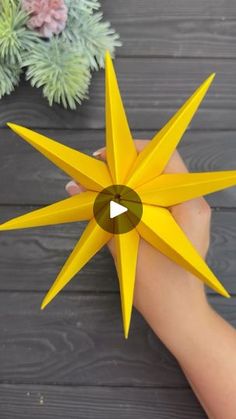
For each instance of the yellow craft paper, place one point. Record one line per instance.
(126, 260)
(144, 173)
(159, 228)
(90, 172)
(91, 241)
(120, 149)
(172, 189)
(152, 160)
(75, 208)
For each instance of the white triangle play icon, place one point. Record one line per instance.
(116, 209)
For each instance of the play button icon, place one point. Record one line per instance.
(118, 209)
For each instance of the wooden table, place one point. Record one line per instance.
(71, 360)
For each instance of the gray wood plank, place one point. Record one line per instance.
(26, 401)
(78, 340)
(153, 89)
(26, 177)
(203, 9)
(31, 259)
(174, 28)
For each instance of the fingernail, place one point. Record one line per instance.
(71, 184)
(98, 152)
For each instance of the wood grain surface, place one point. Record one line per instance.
(152, 90)
(26, 177)
(71, 360)
(78, 340)
(183, 28)
(49, 402)
(31, 259)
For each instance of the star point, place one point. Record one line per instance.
(144, 173)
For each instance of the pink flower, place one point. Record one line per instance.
(48, 17)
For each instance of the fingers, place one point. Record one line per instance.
(111, 247)
(176, 164)
(72, 188)
(193, 216)
(101, 152)
(140, 144)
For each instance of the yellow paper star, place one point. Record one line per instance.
(140, 172)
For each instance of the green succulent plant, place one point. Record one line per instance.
(61, 65)
(92, 36)
(14, 35)
(61, 71)
(9, 78)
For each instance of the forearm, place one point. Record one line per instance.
(209, 362)
(205, 347)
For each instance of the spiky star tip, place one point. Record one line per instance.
(226, 294)
(43, 305)
(144, 173)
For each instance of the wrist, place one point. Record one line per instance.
(174, 309)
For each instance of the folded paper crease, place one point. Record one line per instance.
(145, 173)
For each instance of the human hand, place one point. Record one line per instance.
(174, 304)
(169, 297)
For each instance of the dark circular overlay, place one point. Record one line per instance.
(122, 195)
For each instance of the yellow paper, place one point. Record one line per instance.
(120, 148)
(126, 246)
(90, 172)
(75, 208)
(91, 241)
(152, 160)
(144, 174)
(172, 189)
(159, 228)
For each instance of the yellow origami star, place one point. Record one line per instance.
(140, 172)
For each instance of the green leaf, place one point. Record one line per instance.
(15, 38)
(60, 69)
(9, 78)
